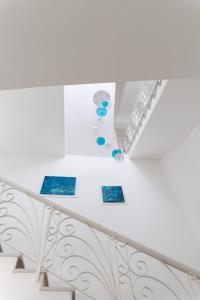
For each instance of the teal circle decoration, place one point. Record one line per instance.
(101, 112)
(100, 141)
(105, 103)
(116, 152)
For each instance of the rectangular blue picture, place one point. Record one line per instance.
(58, 186)
(112, 194)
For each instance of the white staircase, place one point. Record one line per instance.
(58, 254)
(19, 283)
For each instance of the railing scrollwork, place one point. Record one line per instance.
(141, 107)
(89, 257)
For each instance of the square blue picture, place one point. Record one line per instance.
(112, 194)
(62, 186)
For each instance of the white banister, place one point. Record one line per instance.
(141, 108)
(80, 251)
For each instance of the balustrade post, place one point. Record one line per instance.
(43, 245)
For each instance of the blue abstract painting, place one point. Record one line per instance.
(63, 186)
(112, 194)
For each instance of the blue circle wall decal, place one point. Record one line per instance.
(115, 152)
(100, 140)
(101, 112)
(105, 103)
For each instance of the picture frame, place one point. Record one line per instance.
(59, 186)
(112, 195)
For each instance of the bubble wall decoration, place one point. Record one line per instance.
(115, 152)
(102, 101)
(101, 96)
(105, 103)
(101, 112)
(100, 140)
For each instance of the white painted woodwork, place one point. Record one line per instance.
(22, 286)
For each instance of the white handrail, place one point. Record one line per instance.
(148, 251)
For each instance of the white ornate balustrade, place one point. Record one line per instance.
(140, 110)
(91, 258)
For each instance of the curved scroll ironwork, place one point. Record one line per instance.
(22, 221)
(91, 260)
(143, 103)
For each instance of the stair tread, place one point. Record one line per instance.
(8, 254)
(24, 270)
(56, 289)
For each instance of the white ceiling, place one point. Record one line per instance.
(52, 42)
(175, 115)
(32, 121)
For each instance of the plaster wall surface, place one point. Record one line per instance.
(150, 216)
(32, 121)
(182, 168)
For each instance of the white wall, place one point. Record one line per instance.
(172, 116)
(81, 118)
(151, 215)
(182, 168)
(32, 121)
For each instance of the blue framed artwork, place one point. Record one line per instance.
(59, 186)
(112, 194)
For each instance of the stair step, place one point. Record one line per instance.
(7, 254)
(22, 286)
(24, 270)
(56, 289)
(19, 266)
(59, 289)
(44, 286)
